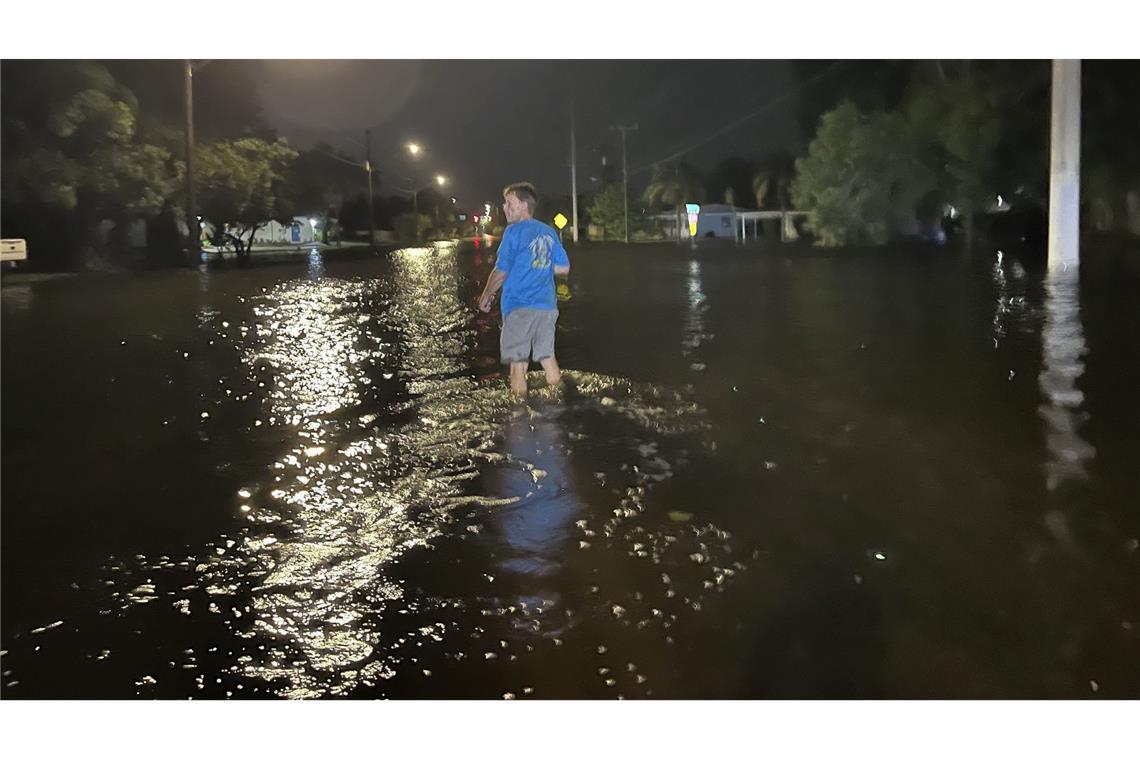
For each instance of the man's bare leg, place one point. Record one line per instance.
(553, 373)
(518, 378)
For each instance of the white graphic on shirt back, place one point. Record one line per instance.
(540, 249)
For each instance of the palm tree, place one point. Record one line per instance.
(776, 172)
(760, 185)
(674, 185)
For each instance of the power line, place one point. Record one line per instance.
(637, 107)
(357, 164)
(734, 124)
(315, 127)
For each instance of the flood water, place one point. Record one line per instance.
(777, 473)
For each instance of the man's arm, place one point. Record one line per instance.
(494, 282)
(499, 274)
(561, 260)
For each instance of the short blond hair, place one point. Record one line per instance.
(525, 192)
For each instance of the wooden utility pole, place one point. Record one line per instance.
(625, 174)
(368, 168)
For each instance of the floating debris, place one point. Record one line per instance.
(58, 623)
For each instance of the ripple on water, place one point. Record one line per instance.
(386, 445)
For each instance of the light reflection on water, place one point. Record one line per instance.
(1011, 308)
(538, 527)
(408, 530)
(385, 435)
(353, 496)
(1063, 344)
(696, 307)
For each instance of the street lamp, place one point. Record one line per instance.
(414, 149)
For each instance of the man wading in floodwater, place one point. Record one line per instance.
(530, 254)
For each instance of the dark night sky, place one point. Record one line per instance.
(487, 123)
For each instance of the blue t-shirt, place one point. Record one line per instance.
(526, 253)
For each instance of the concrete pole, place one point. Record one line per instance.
(680, 200)
(416, 212)
(193, 231)
(625, 175)
(573, 173)
(1065, 166)
(625, 186)
(1062, 335)
(368, 168)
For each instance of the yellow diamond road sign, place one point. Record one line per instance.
(560, 221)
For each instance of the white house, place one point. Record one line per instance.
(301, 231)
(717, 220)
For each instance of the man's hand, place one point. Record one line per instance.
(494, 282)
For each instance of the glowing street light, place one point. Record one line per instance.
(440, 180)
(414, 149)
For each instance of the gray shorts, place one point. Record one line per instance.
(528, 334)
